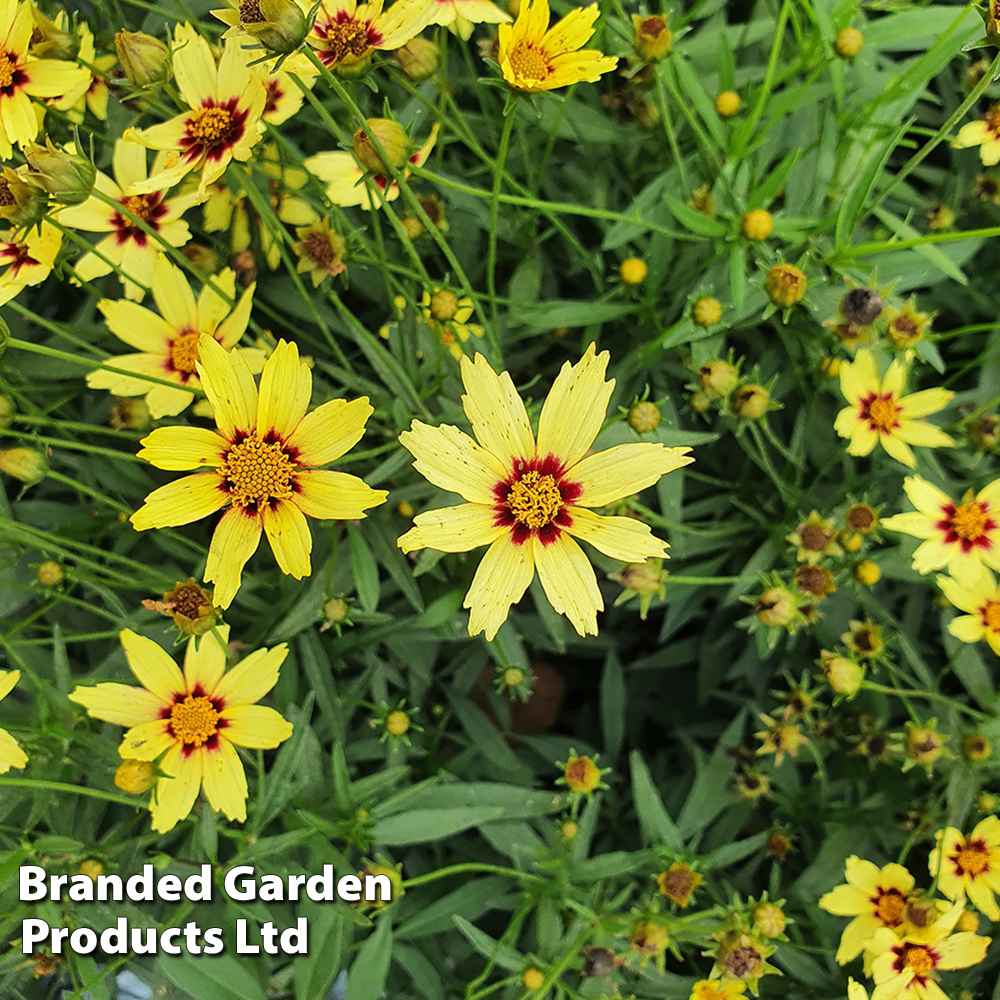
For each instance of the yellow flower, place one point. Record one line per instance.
(779, 738)
(283, 96)
(906, 325)
(346, 33)
(447, 315)
(880, 414)
(678, 883)
(984, 133)
(169, 342)
(320, 251)
(814, 538)
(875, 897)
(964, 536)
(91, 92)
(581, 775)
(713, 989)
(225, 101)
(459, 16)
(22, 77)
(27, 258)
(345, 178)
(127, 245)
(11, 754)
(194, 719)
(534, 57)
(981, 603)
(906, 968)
(526, 499)
(263, 464)
(855, 991)
(969, 866)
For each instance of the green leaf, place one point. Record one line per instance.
(366, 980)
(613, 704)
(658, 828)
(419, 826)
(489, 947)
(364, 568)
(694, 220)
(316, 971)
(221, 977)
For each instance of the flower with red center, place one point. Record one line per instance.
(23, 77)
(907, 967)
(962, 536)
(225, 101)
(263, 464)
(981, 604)
(984, 133)
(346, 32)
(283, 95)
(192, 720)
(27, 258)
(528, 497)
(880, 414)
(128, 246)
(168, 341)
(969, 866)
(875, 897)
(345, 178)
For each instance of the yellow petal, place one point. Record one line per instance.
(224, 781)
(179, 449)
(622, 538)
(285, 390)
(288, 534)
(234, 325)
(922, 434)
(256, 727)
(229, 385)
(119, 703)
(250, 679)
(575, 408)
(8, 679)
(235, 540)
(331, 430)
(972, 134)
(11, 754)
(920, 404)
(858, 377)
(194, 66)
(452, 461)
(205, 661)
(452, 529)
(335, 496)
(181, 502)
(911, 523)
(926, 497)
(174, 298)
(968, 628)
(147, 740)
(961, 950)
(163, 401)
(897, 447)
(569, 582)
(500, 581)
(137, 326)
(572, 32)
(623, 470)
(404, 20)
(153, 667)
(498, 417)
(862, 439)
(174, 796)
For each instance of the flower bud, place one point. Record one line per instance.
(397, 723)
(984, 432)
(91, 867)
(533, 978)
(144, 59)
(717, 378)
(776, 606)
(968, 923)
(785, 284)
(757, 224)
(751, 402)
(26, 464)
(49, 41)
(867, 573)
(393, 140)
(22, 203)
(444, 305)
(336, 610)
(843, 675)
(569, 830)
(419, 59)
(848, 42)
(279, 25)
(67, 176)
(861, 306)
(727, 103)
(976, 748)
(581, 775)
(769, 919)
(706, 312)
(50, 574)
(633, 271)
(643, 417)
(135, 776)
(699, 402)
(652, 39)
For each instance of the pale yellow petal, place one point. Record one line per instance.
(569, 582)
(920, 404)
(500, 581)
(173, 796)
(622, 538)
(288, 534)
(250, 679)
(922, 434)
(224, 781)
(121, 704)
(331, 430)
(496, 412)
(147, 740)
(968, 628)
(911, 523)
(153, 666)
(897, 447)
(858, 377)
(179, 449)
(137, 326)
(230, 388)
(335, 496)
(623, 470)
(235, 540)
(926, 497)
(452, 529)
(205, 660)
(11, 754)
(256, 727)
(181, 502)
(285, 390)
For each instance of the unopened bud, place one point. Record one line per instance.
(785, 284)
(776, 606)
(843, 675)
(135, 776)
(50, 41)
(717, 378)
(643, 417)
(67, 176)
(769, 919)
(652, 39)
(392, 138)
(26, 464)
(145, 60)
(848, 42)
(50, 574)
(279, 25)
(751, 402)
(22, 203)
(706, 312)
(419, 59)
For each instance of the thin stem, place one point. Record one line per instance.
(491, 250)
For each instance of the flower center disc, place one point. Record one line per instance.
(347, 37)
(318, 249)
(889, 908)
(257, 471)
(535, 499)
(210, 124)
(138, 205)
(883, 413)
(814, 538)
(969, 521)
(184, 352)
(529, 63)
(991, 615)
(918, 959)
(7, 67)
(193, 721)
(250, 12)
(973, 861)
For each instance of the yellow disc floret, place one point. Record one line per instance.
(193, 721)
(256, 471)
(535, 499)
(184, 352)
(210, 124)
(969, 521)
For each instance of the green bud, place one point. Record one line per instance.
(26, 464)
(279, 25)
(67, 176)
(391, 137)
(22, 203)
(145, 60)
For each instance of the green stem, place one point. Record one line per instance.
(491, 249)
(927, 696)
(469, 866)
(61, 786)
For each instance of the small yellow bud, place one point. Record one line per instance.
(643, 417)
(91, 868)
(924, 744)
(727, 103)
(706, 312)
(419, 58)
(145, 60)
(843, 675)
(848, 42)
(633, 271)
(652, 38)
(581, 775)
(335, 610)
(397, 723)
(513, 676)
(404, 509)
(769, 919)
(757, 224)
(976, 748)
(986, 803)
(444, 305)
(967, 922)
(50, 574)
(569, 830)
(849, 542)
(867, 573)
(751, 402)
(26, 464)
(785, 284)
(776, 606)
(412, 226)
(533, 978)
(393, 140)
(135, 776)
(717, 378)
(699, 402)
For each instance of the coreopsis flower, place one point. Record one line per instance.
(11, 754)
(192, 720)
(92, 92)
(461, 15)
(779, 738)
(678, 883)
(742, 957)
(225, 104)
(985, 134)
(875, 897)
(963, 537)
(345, 32)
(906, 326)
(169, 342)
(981, 603)
(263, 464)
(27, 258)
(279, 26)
(448, 316)
(906, 968)
(283, 96)
(320, 251)
(969, 866)
(814, 538)
(713, 989)
(128, 246)
(534, 57)
(582, 776)
(22, 77)
(345, 178)
(880, 414)
(189, 605)
(527, 498)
